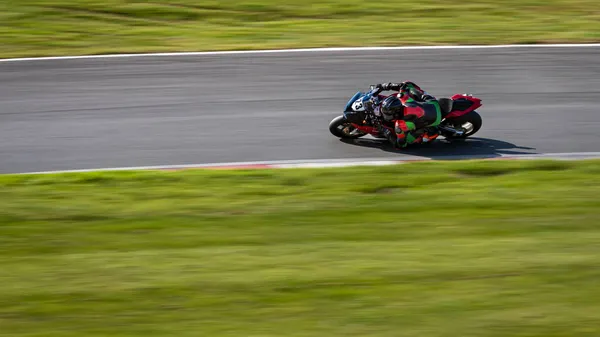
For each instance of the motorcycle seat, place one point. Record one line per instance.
(446, 105)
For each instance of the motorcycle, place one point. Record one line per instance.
(459, 117)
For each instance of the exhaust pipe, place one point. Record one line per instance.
(452, 130)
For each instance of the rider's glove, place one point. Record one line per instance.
(377, 88)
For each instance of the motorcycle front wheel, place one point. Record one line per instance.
(342, 128)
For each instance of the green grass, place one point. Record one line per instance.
(59, 27)
(427, 249)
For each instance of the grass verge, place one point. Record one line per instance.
(424, 249)
(75, 27)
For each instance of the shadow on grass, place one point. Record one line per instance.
(441, 149)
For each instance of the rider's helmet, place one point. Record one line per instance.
(392, 108)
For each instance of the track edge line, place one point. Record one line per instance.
(297, 50)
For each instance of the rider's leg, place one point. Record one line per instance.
(433, 118)
(404, 133)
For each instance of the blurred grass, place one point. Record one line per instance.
(59, 27)
(424, 249)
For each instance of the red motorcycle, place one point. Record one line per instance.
(459, 118)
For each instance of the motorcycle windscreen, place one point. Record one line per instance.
(354, 98)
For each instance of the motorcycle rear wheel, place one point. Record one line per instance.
(470, 123)
(342, 128)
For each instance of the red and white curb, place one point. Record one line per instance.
(331, 163)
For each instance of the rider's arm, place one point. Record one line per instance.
(417, 93)
(399, 86)
(425, 97)
(389, 86)
(407, 86)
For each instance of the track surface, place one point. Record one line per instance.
(116, 112)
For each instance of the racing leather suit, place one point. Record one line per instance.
(421, 111)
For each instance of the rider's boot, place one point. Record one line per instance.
(430, 135)
(427, 138)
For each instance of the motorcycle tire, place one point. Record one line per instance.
(473, 118)
(337, 125)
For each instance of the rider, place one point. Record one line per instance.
(413, 110)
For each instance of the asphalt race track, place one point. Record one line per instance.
(161, 110)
